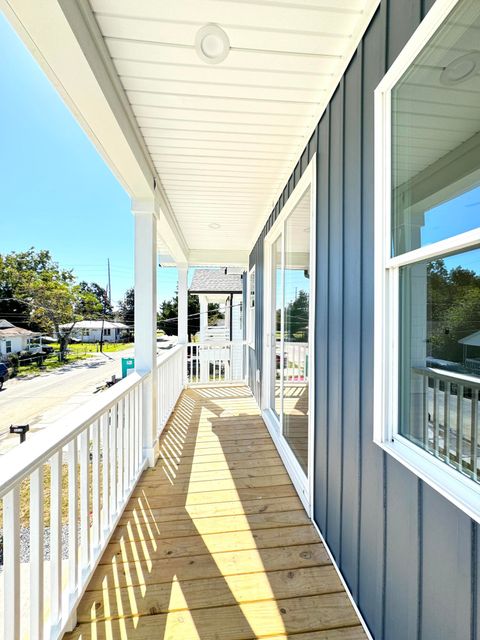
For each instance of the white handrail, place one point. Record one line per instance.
(88, 464)
(19, 462)
(85, 469)
(171, 381)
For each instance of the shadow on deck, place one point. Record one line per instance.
(214, 543)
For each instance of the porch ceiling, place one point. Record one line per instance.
(218, 141)
(224, 138)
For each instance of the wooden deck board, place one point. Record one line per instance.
(214, 543)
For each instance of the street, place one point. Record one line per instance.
(44, 399)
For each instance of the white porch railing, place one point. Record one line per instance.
(296, 361)
(171, 381)
(64, 491)
(450, 427)
(216, 362)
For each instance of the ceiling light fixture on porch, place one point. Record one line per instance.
(461, 69)
(214, 225)
(212, 44)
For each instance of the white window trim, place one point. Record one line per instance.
(458, 489)
(250, 315)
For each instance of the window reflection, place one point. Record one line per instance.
(436, 137)
(297, 297)
(440, 357)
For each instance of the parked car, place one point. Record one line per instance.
(3, 374)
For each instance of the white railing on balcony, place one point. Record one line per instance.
(63, 492)
(295, 361)
(216, 362)
(171, 368)
(450, 420)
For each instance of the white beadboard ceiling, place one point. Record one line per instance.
(224, 138)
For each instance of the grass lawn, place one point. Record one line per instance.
(76, 351)
(78, 348)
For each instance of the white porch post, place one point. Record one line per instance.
(182, 304)
(203, 317)
(145, 215)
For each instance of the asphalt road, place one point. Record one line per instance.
(49, 397)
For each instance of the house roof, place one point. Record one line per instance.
(217, 281)
(9, 330)
(472, 340)
(95, 324)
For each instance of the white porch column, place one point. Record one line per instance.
(203, 317)
(182, 304)
(145, 215)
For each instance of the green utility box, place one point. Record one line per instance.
(128, 364)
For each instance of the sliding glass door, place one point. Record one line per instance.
(288, 315)
(296, 304)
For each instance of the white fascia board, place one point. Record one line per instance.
(211, 257)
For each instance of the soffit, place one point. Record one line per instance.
(225, 138)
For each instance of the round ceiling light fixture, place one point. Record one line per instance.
(461, 69)
(212, 44)
(214, 225)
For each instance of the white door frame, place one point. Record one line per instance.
(304, 484)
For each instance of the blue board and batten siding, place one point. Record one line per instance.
(410, 558)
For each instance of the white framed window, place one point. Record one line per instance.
(427, 254)
(251, 308)
(8, 346)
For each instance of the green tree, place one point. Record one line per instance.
(126, 307)
(296, 318)
(101, 294)
(47, 294)
(167, 318)
(453, 309)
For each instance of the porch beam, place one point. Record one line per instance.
(145, 214)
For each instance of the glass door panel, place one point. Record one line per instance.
(276, 323)
(295, 333)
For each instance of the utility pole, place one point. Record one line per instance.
(109, 282)
(108, 296)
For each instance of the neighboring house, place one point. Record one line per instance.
(224, 287)
(14, 339)
(333, 152)
(91, 330)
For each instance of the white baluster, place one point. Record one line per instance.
(96, 486)
(72, 520)
(11, 564)
(36, 553)
(105, 475)
(85, 499)
(56, 541)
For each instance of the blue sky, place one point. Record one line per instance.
(56, 192)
